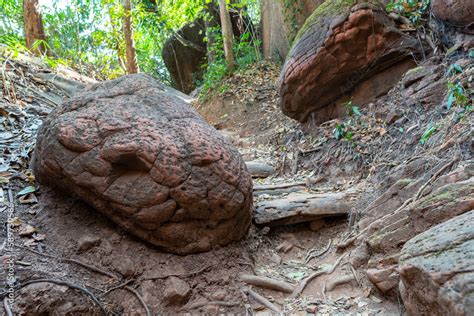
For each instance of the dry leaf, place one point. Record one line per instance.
(30, 242)
(39, 237)
(27, 230)
(15, 221)
(28, 199)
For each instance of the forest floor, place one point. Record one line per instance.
(81, 256)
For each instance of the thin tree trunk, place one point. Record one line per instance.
(117, 42)
(132, 66)
(33, 24)
(227, 34)
(209, 23)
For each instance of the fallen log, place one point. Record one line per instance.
(259, 169)
(302, 207)
(268, 283)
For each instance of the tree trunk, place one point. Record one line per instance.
(33, 27)
(210, 23)
(228, 35)
(132, 66)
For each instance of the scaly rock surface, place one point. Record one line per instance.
(436, 269)
(343, 43)
(142, 156)
(455, 12)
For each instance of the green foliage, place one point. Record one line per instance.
(430, 131)
(292, 11)
(457, 95)
(246, 52)
(341, 131)
(88, 34)
(411, 9)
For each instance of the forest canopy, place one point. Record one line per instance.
(91, 35)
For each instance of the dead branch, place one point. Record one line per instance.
(266, 282)
(312, 255)
(69, 284)
(140, 298)
(300, 288)
(262, 300)
(434, 177)
(278, 186)
(116, 287)
(200, 304)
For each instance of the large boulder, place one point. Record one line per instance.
(142, 156)
(341, 45)
(436, 269)
(458, 13)
(184, 53)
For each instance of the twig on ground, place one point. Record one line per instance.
(207, 303)
(262, 300)
(434, 177)
(116, 287)
(300, 288)
(343, 279)
(266, 282)
(354, 273)
(6, 306)
(311, 255)
(140, 298)
(69, 284)
(80, 263)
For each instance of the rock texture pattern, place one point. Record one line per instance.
(341, 44)
(455, 12)
(436, 269)
(143, 157)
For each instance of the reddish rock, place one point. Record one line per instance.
(436, 269)
(176, 291)
(138, 153)
(340, 46)
(384, 279)
(455, 12)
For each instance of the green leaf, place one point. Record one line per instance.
(355, 110)
(427, 134)
(450, 100)
(27, 190)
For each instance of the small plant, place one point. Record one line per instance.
(430, 131)
(411, 9)
(351, 108)
(341, 131)
(457, 95)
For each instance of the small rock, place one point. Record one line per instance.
(219, 295)
(359, 256)
(316, 225)
(384, 279)
(393, 116)
(176, 291)
(125, 266)
(276, 259)
(87, 242)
